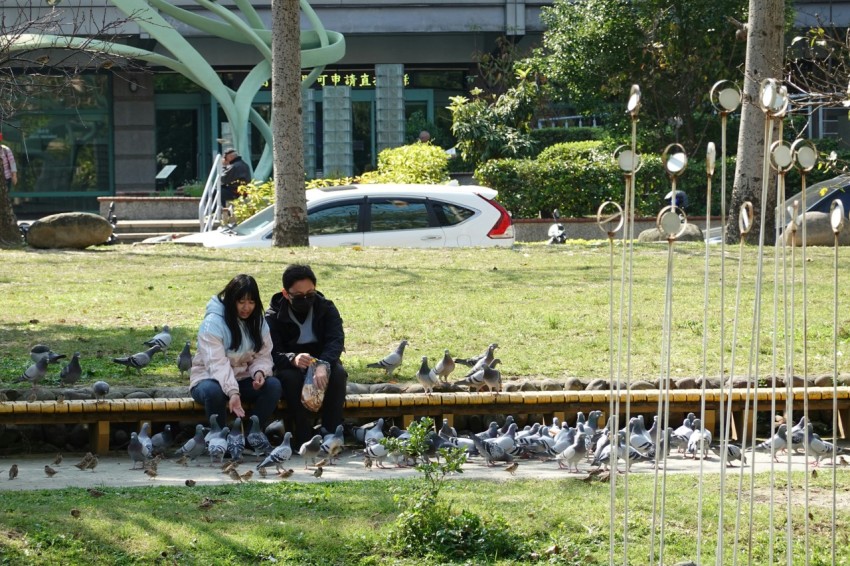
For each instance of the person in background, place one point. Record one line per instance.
(424, 136)
(234, 174)
(233, 361)
(305, 326)
(10, 169)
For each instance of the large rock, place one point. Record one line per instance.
(818, 231)
(692, 233)
(69, 230)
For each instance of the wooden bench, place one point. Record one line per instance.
(407, 406)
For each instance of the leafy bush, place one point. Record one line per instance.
(414, 163)
(545, 137)
(578, 177)
(253, 197)
(429, 527)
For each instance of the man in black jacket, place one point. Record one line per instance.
(235, 173)
(305, 326)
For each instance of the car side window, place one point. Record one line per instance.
(397, 214)
(450, 214)
(341, 219)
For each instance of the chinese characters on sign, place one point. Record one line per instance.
(353, 80)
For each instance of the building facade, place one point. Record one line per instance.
(123, 125)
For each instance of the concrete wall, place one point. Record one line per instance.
(134, 134)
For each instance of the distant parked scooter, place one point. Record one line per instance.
(557, 234)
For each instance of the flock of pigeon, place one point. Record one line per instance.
(482, 372)
(586, 444)
(42, 357)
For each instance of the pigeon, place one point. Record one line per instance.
(491, 452)
(427, 377)
(484, 361)
(161, 441)
(487, 376)
(100, 389)
(49, 471)
(275, 432)
(184, 359)
(310, 449)
(392, 360)
(447, 431)
(639, 437)
(139, 360)
(236, 440)
(215, 429)
(136, 450)
(687, 426)
(71, 372)
(376, 452)
(370, 432)
(162, 339)
(279, 455)
(475, 359)
(145, 439)
(733, 452)
(775, 443)
(193, 447)
(35, 372)
(42, 352)
(820, 449)
(699, 441)
(217, 445)
(332, 444)
(574, 453)
(798, 434)
(445, 366)
(257, 439)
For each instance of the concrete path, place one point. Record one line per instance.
(114, 470)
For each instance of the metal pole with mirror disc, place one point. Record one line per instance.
(836, 220)
(725, 97)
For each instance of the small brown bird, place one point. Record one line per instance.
(49, 471)
(814, 474)
(182, 461)
(190, 483)
(247, 475)
(234, 475)
(13, 471)
(58, 459)
(318, 472)
(367, 463)
(230, 466)
(92, 464)
(150, 472)
(95, 492)
(511, 469)
(322, 463)
(60, 398)
(605, 476)
(82, 464)
(32, 397)
(75, 513)
(286, 473)
(263, 472)
(206, 503)
(842, 461)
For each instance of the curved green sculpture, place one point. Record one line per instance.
(319, 47)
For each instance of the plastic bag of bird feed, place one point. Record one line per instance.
(311, 395)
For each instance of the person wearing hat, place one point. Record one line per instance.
(235, 173)
(10, 170)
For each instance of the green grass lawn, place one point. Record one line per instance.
(349, 523)
(546, 306)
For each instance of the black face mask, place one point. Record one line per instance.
(302, 305)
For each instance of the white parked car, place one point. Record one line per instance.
(390, 215)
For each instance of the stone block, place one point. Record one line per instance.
(77, 230)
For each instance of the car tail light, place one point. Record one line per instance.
(504, 226)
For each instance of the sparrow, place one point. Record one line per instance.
(234, 475)
(85, 461)
(58, 459)
(75, 513)
(49, 471)
(150, 472)
(318, 472)
(247, 475)
(263, 472)
(190, 483)
(511, 469)
(182, 461)
(92, 464)
(322, 463)
(95, 492)
(13, 471)
(286, 473)
(367, 463)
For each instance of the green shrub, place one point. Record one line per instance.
(253, 197)
(545, 137)
(414, 163)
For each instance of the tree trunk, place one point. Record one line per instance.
(10, 235)
(290, 200)
(764, 60)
